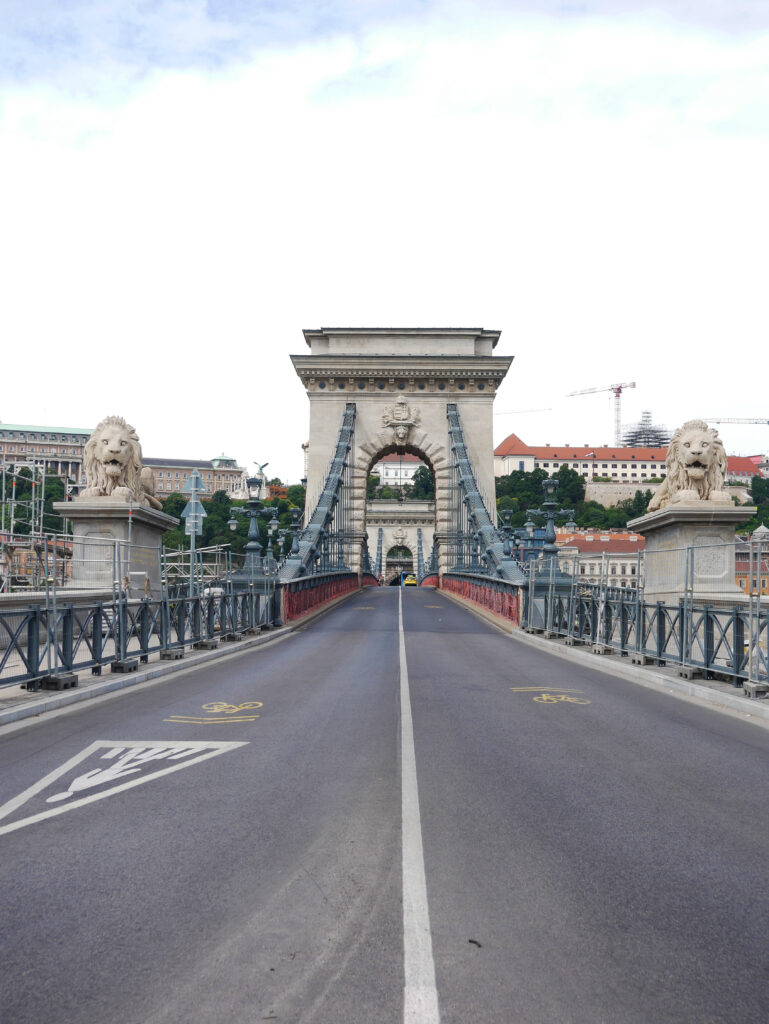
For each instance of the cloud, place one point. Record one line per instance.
(106, 45)
(595, 189)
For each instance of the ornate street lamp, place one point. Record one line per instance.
(273, 528)
(550, 511)
(254, 565)
(296, 515)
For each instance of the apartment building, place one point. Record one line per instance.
(219, 474)
(58, 449)
(617, 465)
(611, 556)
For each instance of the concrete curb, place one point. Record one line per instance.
(54, 700)
(653, 677)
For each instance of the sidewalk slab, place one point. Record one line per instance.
(719, 696)
(16, 704)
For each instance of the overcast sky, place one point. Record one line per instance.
(184, 186)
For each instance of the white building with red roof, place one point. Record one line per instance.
(614, 557)
(397, 470)
(617, 465)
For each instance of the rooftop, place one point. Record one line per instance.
(20, 428)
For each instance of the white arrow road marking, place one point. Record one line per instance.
(128, 758)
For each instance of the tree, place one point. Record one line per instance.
(422, 485)
(54, 491)
(759, 490)
(296, 495)
(571, 487)
(520, 491)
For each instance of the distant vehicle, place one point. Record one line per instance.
(408, 579)
(213, 591)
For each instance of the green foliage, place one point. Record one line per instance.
(372, 485)
(521, 491)
(422, 485)
(398, 553)
(571, 488)
(297, 495)
(216, 530)
(638, 504)
(759, 490)
(525, 487)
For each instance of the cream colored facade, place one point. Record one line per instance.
(401, 381)
(400, 522)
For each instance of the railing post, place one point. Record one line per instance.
(709, 639)
(661, 637)
(195, 617)
(144, 631)
(738, 645)
(33, 646)
(97, 639)
(67, 637)
(210, 617)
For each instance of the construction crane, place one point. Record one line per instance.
(717, 419)
(518, 412)
(617, 390)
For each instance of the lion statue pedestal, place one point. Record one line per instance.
(118, 504)
(96, 525)
(691, 509)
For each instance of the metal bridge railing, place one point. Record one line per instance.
(710, 627)
(40, 642)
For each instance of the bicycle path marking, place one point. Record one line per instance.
(219, 712)
(552, 694)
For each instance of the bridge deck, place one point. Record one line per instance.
(592, 850)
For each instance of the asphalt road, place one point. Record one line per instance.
(227, 844)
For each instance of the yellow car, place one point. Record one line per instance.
(410, 580)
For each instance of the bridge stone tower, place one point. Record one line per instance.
(401, 381)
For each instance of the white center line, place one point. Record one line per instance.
(420, 995)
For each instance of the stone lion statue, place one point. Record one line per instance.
(112, 461)
(696, 467)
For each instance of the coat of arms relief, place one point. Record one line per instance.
(400, 418)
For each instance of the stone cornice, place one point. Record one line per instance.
(356, 373)
(700, 513)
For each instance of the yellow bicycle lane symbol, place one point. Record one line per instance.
(219, 712)
(549, 698)
(232, 709)
(552, 694)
